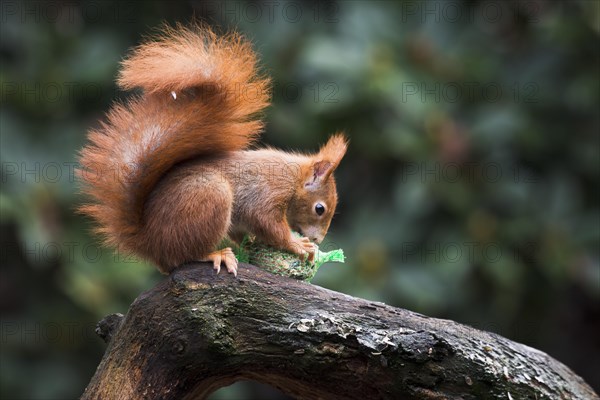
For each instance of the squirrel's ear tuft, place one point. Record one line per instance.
(335, 148)
(333, 151)
(327, 160)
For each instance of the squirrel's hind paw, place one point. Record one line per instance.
(225, 256)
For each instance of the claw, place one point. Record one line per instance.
(304, 247)
(225, 256)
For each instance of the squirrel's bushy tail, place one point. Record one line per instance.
(201, 96)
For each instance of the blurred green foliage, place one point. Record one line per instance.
(470, 190)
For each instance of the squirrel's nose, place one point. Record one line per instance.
(316, 239)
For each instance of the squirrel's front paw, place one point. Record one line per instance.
(303, 247)
(225, 256)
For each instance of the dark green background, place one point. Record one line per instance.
(469, 192)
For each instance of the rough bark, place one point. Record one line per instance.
(196, 332)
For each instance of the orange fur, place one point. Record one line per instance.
(166, 173)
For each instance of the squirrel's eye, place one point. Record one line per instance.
(319, 209)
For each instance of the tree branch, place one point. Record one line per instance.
(196, 332)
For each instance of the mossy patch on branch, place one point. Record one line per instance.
(281, 262)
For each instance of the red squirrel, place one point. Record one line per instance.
(169, 173)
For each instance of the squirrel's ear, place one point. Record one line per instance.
(327, 160)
